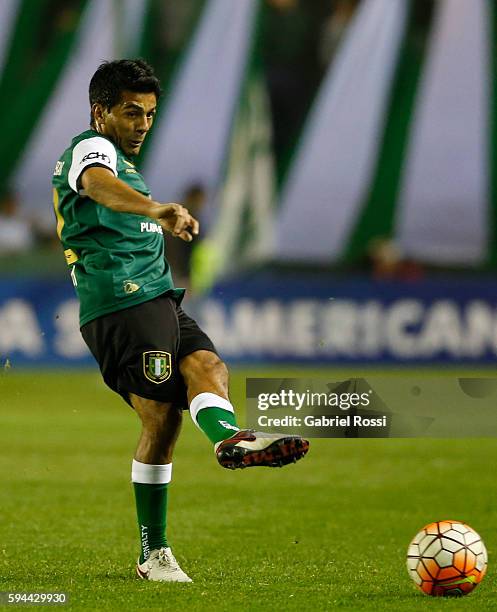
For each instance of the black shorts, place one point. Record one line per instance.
(138, 349)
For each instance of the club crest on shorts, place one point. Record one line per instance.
(157, 366)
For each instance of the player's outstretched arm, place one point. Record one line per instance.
(104, 188)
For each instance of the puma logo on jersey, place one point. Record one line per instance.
(148, 226)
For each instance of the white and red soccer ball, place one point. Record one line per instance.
(447, 558)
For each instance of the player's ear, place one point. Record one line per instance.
(97, 111)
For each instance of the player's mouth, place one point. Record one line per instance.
(136, 143)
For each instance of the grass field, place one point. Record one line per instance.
(327, 533)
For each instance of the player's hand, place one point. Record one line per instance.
(176, 219)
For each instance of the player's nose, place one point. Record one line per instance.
(143, 126)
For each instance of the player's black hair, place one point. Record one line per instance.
(112, 78)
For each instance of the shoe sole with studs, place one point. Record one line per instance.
(281, 452)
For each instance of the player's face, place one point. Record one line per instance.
(128, 122)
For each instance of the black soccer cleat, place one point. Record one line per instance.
(248, 448)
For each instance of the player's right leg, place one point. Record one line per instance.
(206, 379)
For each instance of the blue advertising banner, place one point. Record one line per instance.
(39, 324)
(283, 318)
(303, 319)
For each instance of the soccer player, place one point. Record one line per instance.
(149, 351)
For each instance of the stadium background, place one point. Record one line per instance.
(341, 156)
(342, 161)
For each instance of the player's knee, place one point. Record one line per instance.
(217, 368)
(154, 415)
(204, 365)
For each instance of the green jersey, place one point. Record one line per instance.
(116, 259)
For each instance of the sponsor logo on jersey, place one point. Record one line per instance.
(157, 366)
(149, 226)
(130, 287)
(95, 155)
(58, 168)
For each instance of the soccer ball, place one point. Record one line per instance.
(447, 558)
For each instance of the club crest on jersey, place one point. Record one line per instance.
(157, 366)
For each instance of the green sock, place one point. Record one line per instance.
(217, 424)
(151, 508)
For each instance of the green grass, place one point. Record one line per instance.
(327, 533)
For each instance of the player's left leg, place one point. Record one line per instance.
(151, 475)
(206, 379)
(136, 351)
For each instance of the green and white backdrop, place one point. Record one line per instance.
(399, 141)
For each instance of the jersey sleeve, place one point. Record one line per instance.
(96, 151)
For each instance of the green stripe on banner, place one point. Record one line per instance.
(146, 49)
(378, 213)
(249, 104)
(250, 166)
(166, 64)
(492, 247)
(241, 234)
(31, 97)
(20, 57)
